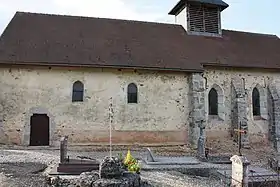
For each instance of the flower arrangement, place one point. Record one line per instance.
(131, 163)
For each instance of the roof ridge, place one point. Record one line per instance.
(88, 17)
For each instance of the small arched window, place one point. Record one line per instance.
(132, 93)
(256, 102)
(78, 92)
(213, 102)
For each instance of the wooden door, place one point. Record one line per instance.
(39, 130)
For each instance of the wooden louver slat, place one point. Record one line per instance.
(204, 19)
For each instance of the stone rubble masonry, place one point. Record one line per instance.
(263, 101)
(110, 168)
(160, 115)
(274, 90)
(197, 107)
(170, 107)
(241, 110)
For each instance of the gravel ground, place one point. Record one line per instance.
(22, 174)
(177, 179)
(23, 168)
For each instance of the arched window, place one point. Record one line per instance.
(132, 93)
(256, 102)
(78, 92)
(213, 102)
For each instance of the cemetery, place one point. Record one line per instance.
(234, 170)
(125, 168)
(146, 166)
(115, 170)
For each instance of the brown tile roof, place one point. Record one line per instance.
(41, 39)
(69, 40)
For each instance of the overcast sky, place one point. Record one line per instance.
(245, 15)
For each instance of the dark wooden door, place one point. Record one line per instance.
(39, 130)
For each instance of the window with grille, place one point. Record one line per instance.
(204, 19)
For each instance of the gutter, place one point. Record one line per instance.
(230, 66)
(99, 66)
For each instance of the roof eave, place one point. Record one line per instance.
(182, 3)
(237, 66)
(177, 7)
(57, 64)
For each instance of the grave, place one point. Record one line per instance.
(203, 152)
(219, 159)
(165, 160)
(256, 176)
(74, 166)
(243, 174)
(274, 163)
(110, 173)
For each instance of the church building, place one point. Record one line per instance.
(166, 83)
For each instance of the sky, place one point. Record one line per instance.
(244, 15)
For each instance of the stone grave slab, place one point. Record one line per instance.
(74, 166)
(162, 160)
(255, 175)
(221, 159)
(165, 160)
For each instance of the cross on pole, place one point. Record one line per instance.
(240, 132)
(111, 112)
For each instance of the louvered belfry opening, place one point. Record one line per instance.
(204, 18)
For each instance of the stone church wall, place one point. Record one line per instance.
(160, 116)
(222, 79)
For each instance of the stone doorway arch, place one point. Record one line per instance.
(27, 126)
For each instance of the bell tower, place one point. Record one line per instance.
(202, 17)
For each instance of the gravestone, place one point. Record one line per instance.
(274, 164)
(63, 149)
(150, 156)
(74, 166)
(201, 145)
(240, 171)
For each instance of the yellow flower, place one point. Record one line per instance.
(128, 158)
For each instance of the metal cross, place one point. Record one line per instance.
(240, 132)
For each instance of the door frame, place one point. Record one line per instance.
(53, 139)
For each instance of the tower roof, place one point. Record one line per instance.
(182, 3)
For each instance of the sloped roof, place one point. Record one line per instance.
(70, 40)
(40, 39)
